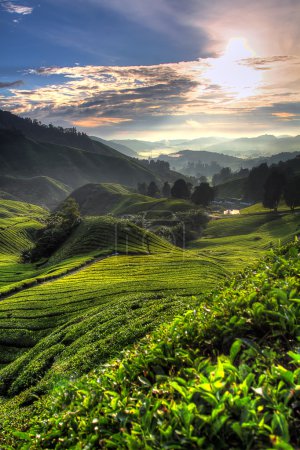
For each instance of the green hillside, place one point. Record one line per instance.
(231, 189)
(40, 190)
(225, 375)
(105, 288)
(22, 157)
(235, 240)
(104, 198)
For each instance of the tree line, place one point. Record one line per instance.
(268, 185)
(203, 194)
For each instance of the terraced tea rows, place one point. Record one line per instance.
(99, 234)
(239, 240)
(92, 314)
(95, 237)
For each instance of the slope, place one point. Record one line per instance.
(23, 157)
(119, 147)
(236, 239)
(40, 190)
(104, 198)
(225, 375)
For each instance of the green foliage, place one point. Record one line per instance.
(273, 189)
(292, 192)
(203, 194)
(59, 226)
(180, 189)
(225, 375)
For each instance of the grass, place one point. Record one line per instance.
(236, 241)
(258, 208)
(225, 375)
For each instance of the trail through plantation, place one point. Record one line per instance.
(41, 281)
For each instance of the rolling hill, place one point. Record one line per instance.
(107, 286)
(223, 376)
(24, 157)
(40, 190)
(111, 198)
(117, 146)
(55, 161)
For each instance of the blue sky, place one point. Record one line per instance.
(153, 69)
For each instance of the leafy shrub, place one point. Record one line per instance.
(223, 376)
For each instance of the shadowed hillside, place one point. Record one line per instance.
(24, 157)
(40, 190)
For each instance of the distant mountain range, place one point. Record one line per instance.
(264, 145)
(193, 163)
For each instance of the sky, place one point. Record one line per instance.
(153, 69)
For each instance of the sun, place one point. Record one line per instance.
(230, 71)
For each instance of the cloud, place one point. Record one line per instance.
(95, 122)
(13, 8)
(284, 115)
(172, 97)
(10, 84)
(266, 63)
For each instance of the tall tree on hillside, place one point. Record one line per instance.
(166, 190)
(273, 189)
(203, 194)
(180, 189)
(254, 186)
(153, 190)
(292, 192)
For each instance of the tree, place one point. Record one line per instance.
(224, 175)
(58, 227)
(273, 189)
(142, 188)
(203, 194)
(153, 190)
(292, 192)
(180, 189)
(166, 190)
(254, 186)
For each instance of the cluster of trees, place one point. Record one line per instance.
(226, 174)
(160, 167)
(58, 227)
(278, 185)
(270, 184)
(201, 195)
(35, 129)
(200, 168)
(188, 225)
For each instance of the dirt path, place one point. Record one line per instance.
(41, 281)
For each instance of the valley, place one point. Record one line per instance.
(103, 256)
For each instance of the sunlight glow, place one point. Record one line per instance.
(231, 73)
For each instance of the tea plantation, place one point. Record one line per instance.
(104, 289)
(224, 375)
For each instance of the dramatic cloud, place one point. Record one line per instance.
(237, 67)
(13, 8)
(198, 96)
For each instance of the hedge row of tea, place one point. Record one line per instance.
(225, 375)
(93, 238)
(237, 240)
(70, 324)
